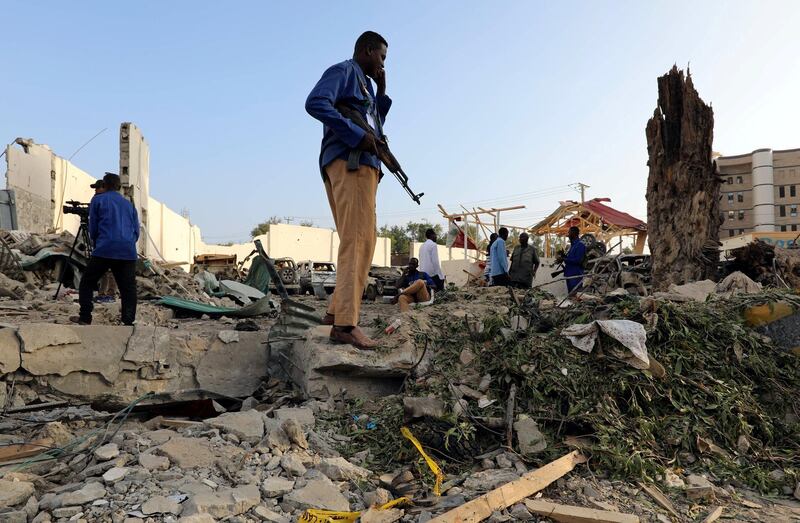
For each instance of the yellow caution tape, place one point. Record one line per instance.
(331, 516)
(437, 472)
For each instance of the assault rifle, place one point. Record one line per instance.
(384, 154)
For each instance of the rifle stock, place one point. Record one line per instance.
(384, 154)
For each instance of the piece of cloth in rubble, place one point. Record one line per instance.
(573, 264)
(345, 82)
(737, 283)
(113, 226)
(629, 333)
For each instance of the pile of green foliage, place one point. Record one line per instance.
(728, 403)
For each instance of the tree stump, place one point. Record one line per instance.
(683, 217)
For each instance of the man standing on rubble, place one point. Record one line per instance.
(499, 255)
(351, 171)
(524, 263)
(573, 260)
(114, 231)
(429, 259)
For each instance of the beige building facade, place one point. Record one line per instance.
(760, 192)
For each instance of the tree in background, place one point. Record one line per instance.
(403, 235)
(306, 223)
(263, 227)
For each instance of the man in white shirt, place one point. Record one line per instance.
(429, 259)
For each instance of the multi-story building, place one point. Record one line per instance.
(760, 192)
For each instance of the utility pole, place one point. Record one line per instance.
(582, 188)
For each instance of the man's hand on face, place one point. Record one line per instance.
(380, 81)
(369, 144)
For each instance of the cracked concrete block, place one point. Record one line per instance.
(148, 344)
(236, 368)
(188, 453)
(9, 351)
(99, 350)
(39, 335)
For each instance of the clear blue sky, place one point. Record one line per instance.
(491, 99)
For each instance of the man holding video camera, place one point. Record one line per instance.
(114, 231)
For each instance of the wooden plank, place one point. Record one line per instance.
(713, 515)
(24, 450)
(573, 514)
(660, 498)
(513, 492)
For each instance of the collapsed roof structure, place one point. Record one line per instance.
(592, 217)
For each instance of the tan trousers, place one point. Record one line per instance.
(351, 195)
(415, 293)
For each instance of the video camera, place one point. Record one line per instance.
(79, 208)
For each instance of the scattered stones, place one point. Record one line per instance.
(228, 336)
(377, 497)
(115, 474)
(274, 435)
(189, 453)
(373, 515)
(106, 452)
(292, 464)
(274, 487)
(672, 480)
(86, 494)
(303, 415)
(339, 469)
(14, 492)
(224, 502)
(699, 488)
(247, 426)
(294, 431)
(318, 493)
(161, 505)
(151, 461)
(66, 512)
(265, 514)
(531, 440)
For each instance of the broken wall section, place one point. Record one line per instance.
(134, 172)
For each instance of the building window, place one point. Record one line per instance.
(739, 180)
(782, 192)
(783, 211)
(730, 215)
(740, 197)
(793, 211)
(741, 215)
(794, 227)
(783, 228)
(730, 233)
(792, 191)
(730, 180)
(730, 197)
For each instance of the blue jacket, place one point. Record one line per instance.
(573, 263)
(410, 278)
(499, 257)
(113, 226)
(345, 82)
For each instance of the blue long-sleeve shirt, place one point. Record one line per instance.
(410, 278)
(113, 226)
(573, 263)
(499, 257)
(345, 82)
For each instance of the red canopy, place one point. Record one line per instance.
(459, 241)
(613, 216)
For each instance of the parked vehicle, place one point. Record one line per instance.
(311, 273)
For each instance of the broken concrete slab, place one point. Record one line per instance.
(15, 492)
(247, 426)
(490, 479)
(303, 415)
(234, 369)
(339, 469)
(161, 505)
(294, 431)
(274, 487)
(36, 336)
(148, 344)
(530, 439)
(99, 350)
(225, 502)
(10, 357)
(87, 494)
(228, 336)
(189, 453)
(293, 464)
(106, 452)
(318, 493)
(373, 515)
(323, 369)
(274, 435)
(150, 461)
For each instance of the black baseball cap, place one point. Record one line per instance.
(98, 184)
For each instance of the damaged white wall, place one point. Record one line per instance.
(43, 182)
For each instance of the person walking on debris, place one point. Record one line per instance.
(413, 286)
(524, 263)
(351, 172)
(429, 259)
(499, 272)
(487, 271)
(573, 259)
(114, 231)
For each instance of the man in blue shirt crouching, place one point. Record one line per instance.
(114, 231)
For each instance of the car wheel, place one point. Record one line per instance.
(287, 275)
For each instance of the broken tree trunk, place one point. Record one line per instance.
(682, 188)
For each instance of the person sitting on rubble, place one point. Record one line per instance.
(114, 231)
(499, 271)
(413, 286)
(524, 263)
(429, 260)
(573, 260)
